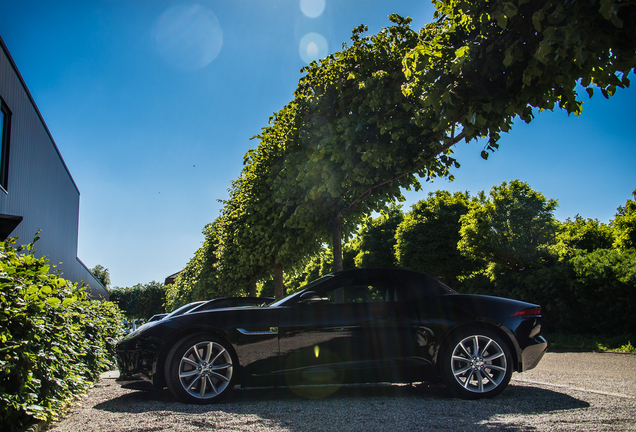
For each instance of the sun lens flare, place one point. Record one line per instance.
(188, 36)
(313, 46)
(312, 8)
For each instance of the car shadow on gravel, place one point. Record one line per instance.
(296, 408)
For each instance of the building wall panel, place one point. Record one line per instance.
(40, 187)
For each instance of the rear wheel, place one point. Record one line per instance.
(476, 364)
(201, 369)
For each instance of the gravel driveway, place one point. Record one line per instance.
(567, 391)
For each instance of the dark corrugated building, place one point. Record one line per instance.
(37, 191)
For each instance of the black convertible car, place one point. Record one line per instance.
(363, 325)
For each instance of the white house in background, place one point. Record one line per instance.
(37, 191)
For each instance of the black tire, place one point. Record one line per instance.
(201, 369)
(476, 364)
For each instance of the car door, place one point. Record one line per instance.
(354, 328)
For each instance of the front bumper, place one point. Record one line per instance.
(135, 359)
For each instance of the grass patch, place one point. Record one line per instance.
(623, 348)
(614, 343)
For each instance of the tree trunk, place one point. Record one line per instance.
(279, 286)
(336, 242)
(252, 289)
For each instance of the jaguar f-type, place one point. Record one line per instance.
(355, 326)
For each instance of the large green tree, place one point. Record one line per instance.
(514, 226)
(375, 240)
(480, 64)
(580, 234)
(624, 224)
(427, 238)
(355, 141)
(255, 240)
(473, 70)
(387, 110)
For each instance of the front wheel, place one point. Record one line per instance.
(476, 364)
(201, 369)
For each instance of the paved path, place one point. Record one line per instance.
(567, 391)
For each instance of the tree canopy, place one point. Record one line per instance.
(348, 140)
(625, 224)
(512, 227)
(102, 274)
(481, 64)
(580, 234)
(427, 238)
(372, 119)
(375, 240)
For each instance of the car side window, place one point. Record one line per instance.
(217, 304)
(248, 302)
(363, 294)
(360, 291)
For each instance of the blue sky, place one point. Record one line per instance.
(152, 104)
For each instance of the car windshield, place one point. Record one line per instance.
(309, 285)
(183, 309)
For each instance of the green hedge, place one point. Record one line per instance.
(140, 301)
(590, 293)
(54, 340)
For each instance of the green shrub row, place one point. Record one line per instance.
(591, 293)
(54, 340)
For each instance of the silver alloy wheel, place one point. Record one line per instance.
(205, 370)
(478, 364)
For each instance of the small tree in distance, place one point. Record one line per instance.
(101, 273)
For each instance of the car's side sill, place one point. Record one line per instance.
(271, 331)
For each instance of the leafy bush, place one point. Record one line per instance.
(591, 293)
(605, 290)
(54, 340)
(545, 284)
(628, 348)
